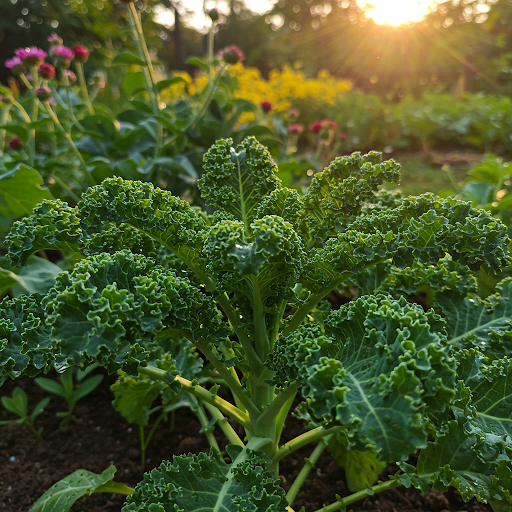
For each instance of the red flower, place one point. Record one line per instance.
(81, 53)
(296, 128)
(46, 71)
(329, 124)
(316, 127)
(16, 144)
(266, 106)
(231, 55)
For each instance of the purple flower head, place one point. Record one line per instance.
(62, 55)
(15, 64)
(31, 56)
(55, 40)
(43, 93)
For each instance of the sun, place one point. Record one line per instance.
(396, 12)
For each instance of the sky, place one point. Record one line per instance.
(393, 12)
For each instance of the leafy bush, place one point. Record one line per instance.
(381, 377)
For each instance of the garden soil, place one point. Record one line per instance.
(100, 436)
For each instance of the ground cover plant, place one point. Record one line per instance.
(243, 285)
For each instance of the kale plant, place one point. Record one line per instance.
(381, 378)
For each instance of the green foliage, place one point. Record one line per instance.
(196, 482)
(65, 388)
(18, 405)
(244, 286)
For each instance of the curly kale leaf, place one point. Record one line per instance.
(110, 304)
(154, 213)
(205, 482)
(466, 461)
(339, 191)
(53, 225)
(473, 322)
(25, 347)
(380, 367)
(423, 230)
(237, 178)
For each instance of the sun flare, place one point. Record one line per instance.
(396, 12)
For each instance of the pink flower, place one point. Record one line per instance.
(81, 53)
(296, 128)
(343, 136)
(63, 55)
(266, 106)
(15, 64)
(55, 40)
(231, 54)
(293, 114)
(316, 127)
(47, 71)
(31, 56)
(16, 144)
(71, 75)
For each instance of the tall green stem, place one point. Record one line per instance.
(203, 419)
(32, 136)
(83, 86)
(3, 120)
(69, 139)
(348, 500)
(309, 464)
(149, 74)
(228, 430)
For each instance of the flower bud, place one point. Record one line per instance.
(43, 93)
(55, 40)
(81, 53)
(266, 106)
(293, 114)
(16, 144)
(296, 128)
(46, 71)
(214, 15)
(231, 55)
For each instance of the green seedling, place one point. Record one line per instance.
(18, 405)
(69, 390)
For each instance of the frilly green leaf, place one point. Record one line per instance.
(205, 482)
(237, 178)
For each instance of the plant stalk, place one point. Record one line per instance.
(224, 425)
(83, 87)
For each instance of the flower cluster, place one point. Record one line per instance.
(33, 56)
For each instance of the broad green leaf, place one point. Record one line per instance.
(361, 468)
(203, 482)
(134, 82)
(62, 495)
(51, 386)
(127, 58)
(134, 398)
(87, 387)
(21, 190)
(194, 61)
(18, 404)
(38, 276)
(168, 82)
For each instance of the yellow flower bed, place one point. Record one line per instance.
(283, 88)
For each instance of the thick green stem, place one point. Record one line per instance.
(232, 383)
(25, 81)
(23, 112)
(69, 139)
(270, 414)
(348, 500)
(211, 39)
(309, 464)
(83, 87)
(260, 327)
(200, 392)
(303, 440)
(223, 422)
(65, 81)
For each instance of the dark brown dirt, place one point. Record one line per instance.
(29, 465)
